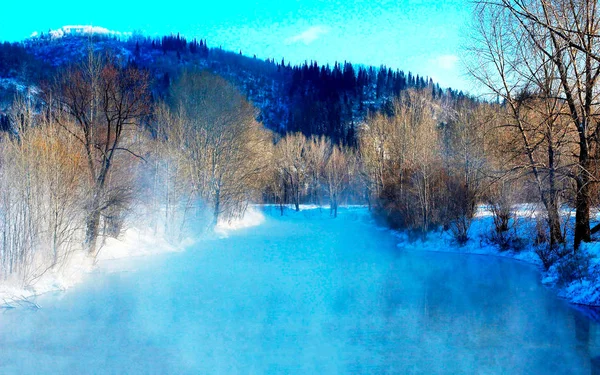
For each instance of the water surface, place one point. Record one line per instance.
(303, 294)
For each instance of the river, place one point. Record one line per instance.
(303, 294)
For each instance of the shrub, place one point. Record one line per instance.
(460, 208)
(506, 240)
(574, 266)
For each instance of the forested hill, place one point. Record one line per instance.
(310, 98)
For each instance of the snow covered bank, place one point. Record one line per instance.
(12, 294)
(134, 242)
(252, 218)
(137, 242)
(585, 290)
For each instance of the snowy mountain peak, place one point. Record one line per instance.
(81, 30)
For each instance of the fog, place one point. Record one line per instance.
(301, 294)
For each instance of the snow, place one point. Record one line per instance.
(82, 30)
(253, 217)
(135, 242)
(10, 83)
(442, 241)
(585, 291)
(57, 278)
(301, 293)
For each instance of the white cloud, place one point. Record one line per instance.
(445, 62)
(308, 36)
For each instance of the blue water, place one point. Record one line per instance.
(303, 294)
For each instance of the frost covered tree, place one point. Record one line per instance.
(41, 190)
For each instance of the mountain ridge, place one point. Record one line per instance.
(310, 98)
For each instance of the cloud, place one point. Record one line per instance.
(308, 36)
(445, 62)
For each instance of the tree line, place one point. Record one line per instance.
(95, 151)
(99, 150)
(314, 99)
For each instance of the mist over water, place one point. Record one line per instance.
(302, 294)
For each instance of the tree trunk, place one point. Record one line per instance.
(297, 198)
(582, 213)
(93, 219)
(217, 207)
(92, 229)
(285, 199)
(556, 236)
(335, 207)
(583, 198)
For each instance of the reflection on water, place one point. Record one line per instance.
(301, 297)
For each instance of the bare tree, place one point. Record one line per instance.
(465, 162)
(316, 158)
(98, 102)
(172, 189)
(339, 170)
(290, 160)
(374, 145)
(401, 157)
(40, 200)
(227, 150)
(22, 112)
(550, 49)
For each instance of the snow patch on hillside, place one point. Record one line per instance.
(82, 30)
(18, 86)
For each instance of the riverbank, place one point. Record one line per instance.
(584, 290)
(137, 242)
(134, 243)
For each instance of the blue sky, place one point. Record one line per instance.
(424, 37)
